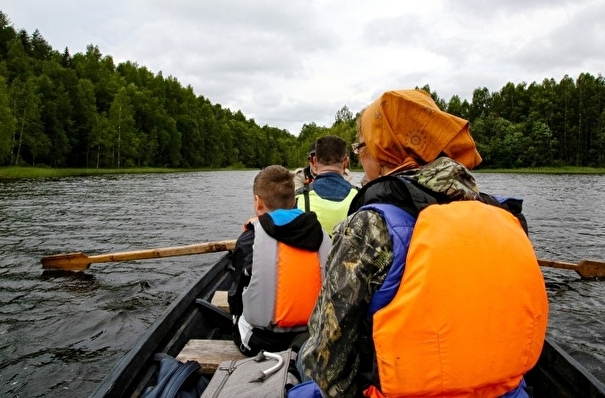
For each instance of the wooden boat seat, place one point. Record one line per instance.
(220, 300)
(209, 353)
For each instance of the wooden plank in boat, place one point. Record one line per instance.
(220, 300)
(209, 353)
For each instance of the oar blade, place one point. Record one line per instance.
(591, 269)
(587, 269)
(69, 261)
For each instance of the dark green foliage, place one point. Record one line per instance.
(82, 110)
(7, 123)
(458, 107)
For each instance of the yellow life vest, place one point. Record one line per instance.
(329, 212)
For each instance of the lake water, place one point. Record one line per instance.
(60, 334)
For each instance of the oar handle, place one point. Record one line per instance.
(200, 248)
(80, 261)
(557, 264)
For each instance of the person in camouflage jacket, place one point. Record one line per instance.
(338, 355)
(361, 255)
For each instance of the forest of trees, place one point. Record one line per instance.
(83, 111)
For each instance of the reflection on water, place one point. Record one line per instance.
(565, 213)
(60, 333)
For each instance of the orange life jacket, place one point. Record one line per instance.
(284, 284)
(469, 316)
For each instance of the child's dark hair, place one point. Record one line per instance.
(275, 186)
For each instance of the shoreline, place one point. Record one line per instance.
(17, 172)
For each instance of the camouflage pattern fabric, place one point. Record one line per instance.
(445, 176)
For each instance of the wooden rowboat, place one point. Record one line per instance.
(192, 317)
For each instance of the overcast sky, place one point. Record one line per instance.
(287, 63)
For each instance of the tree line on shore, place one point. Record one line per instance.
(83, 110)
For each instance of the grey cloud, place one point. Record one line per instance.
(404, 30)
(257, 56)
(293, 23)
(494, 9)
(576, 45)
(234, 42)
(407, 32)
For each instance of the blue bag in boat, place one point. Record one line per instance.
(176, 379)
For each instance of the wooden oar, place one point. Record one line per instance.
(587, 269)
(80, 261)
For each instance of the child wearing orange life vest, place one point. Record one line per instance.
(275, 285)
